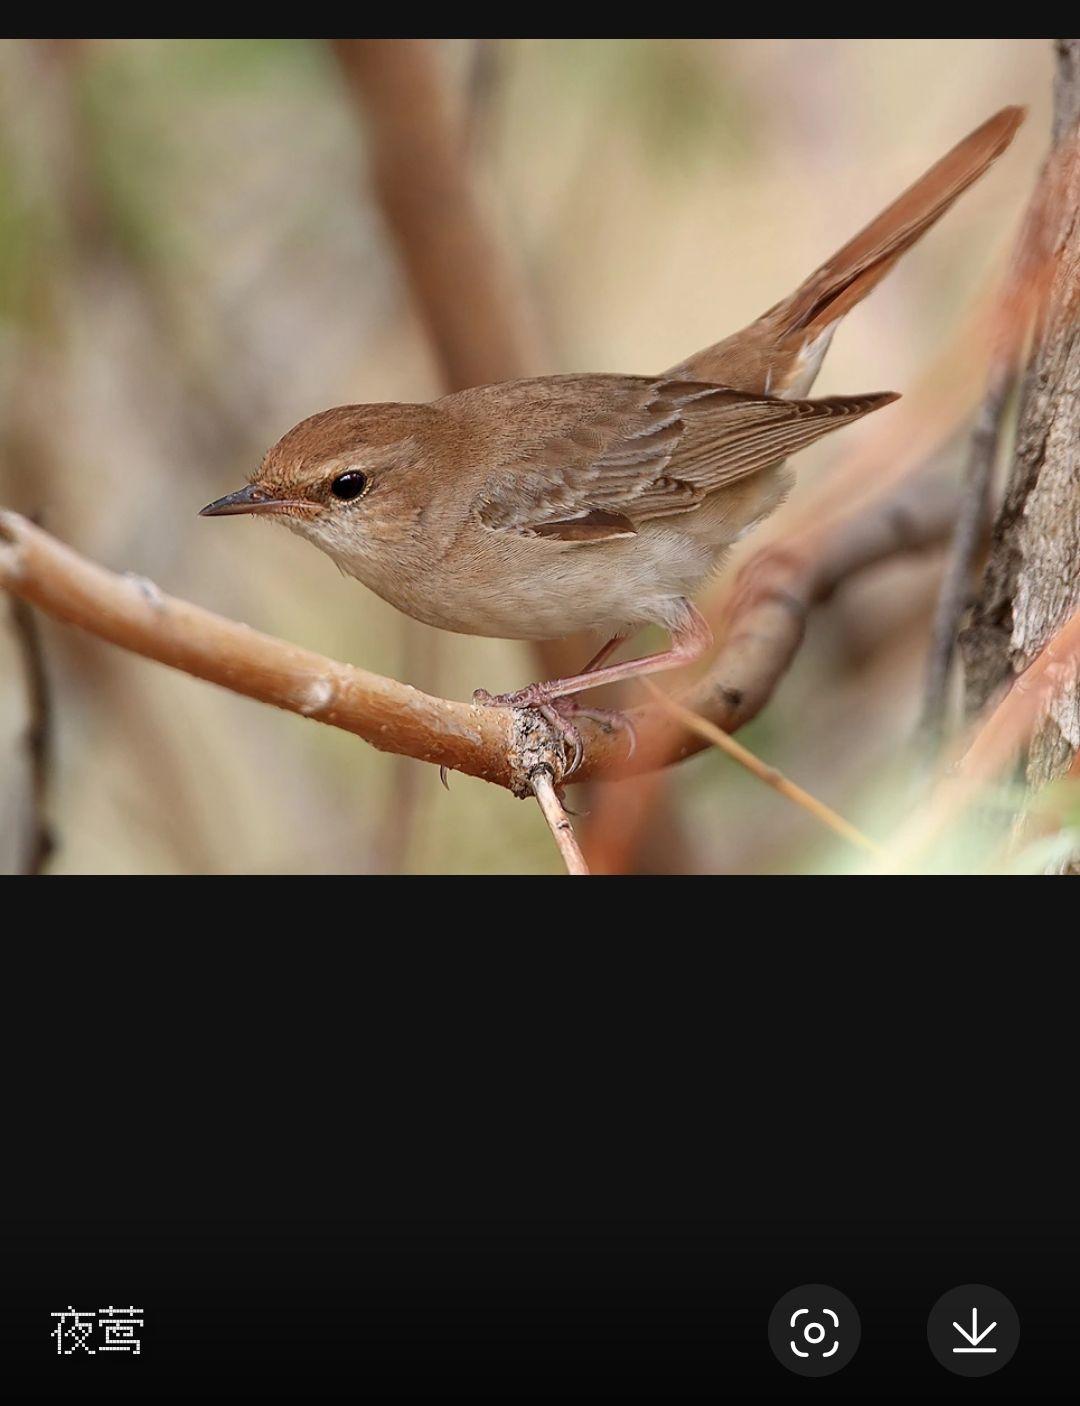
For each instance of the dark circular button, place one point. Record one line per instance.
(814, 1330)
(973, 1330)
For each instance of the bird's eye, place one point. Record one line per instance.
(349, 486)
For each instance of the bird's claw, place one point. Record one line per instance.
(558, 713)
(610, 719)
(567, 732)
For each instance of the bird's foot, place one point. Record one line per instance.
(559, 713)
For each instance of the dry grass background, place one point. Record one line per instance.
(190, 261)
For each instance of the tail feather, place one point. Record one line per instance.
(863, 262)
(781, 351)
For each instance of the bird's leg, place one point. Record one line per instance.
(690, 638)
(560, 712)
(568, 708)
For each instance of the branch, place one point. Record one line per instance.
(558, 821)
(134, 614)
(40, 841)
(463, 284)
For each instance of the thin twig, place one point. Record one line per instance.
(562, 831)
(39, 841)
(769, 774)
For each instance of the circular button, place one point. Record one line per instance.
(814, 1330)
(973, 1330)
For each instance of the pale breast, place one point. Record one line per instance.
(511, 585)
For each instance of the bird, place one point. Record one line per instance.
(534, 509)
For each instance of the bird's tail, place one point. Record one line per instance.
(863, 262)
(775, 348)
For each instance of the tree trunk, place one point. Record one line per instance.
(1032, 580)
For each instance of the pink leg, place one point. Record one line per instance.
(561, 713)
(689, 640)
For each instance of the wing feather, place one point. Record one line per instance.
(627, 449)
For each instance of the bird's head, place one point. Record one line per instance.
(349, 479)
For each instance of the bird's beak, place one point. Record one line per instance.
(251, 499)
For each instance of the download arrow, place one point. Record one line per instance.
(974, 1337)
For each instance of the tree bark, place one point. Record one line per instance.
(1032, 581)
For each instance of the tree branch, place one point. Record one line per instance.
(463, 284)
(558, 822)
(133, 613)
(39, 840)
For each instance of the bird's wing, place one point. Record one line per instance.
(640, 449)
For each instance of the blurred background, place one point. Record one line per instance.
(193, 257)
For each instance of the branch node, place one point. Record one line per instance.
(316, 697)
(534, 747)
(150, 591)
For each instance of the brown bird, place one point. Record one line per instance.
(533, 509)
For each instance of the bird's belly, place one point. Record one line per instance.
(520, 587)
(549, 589)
